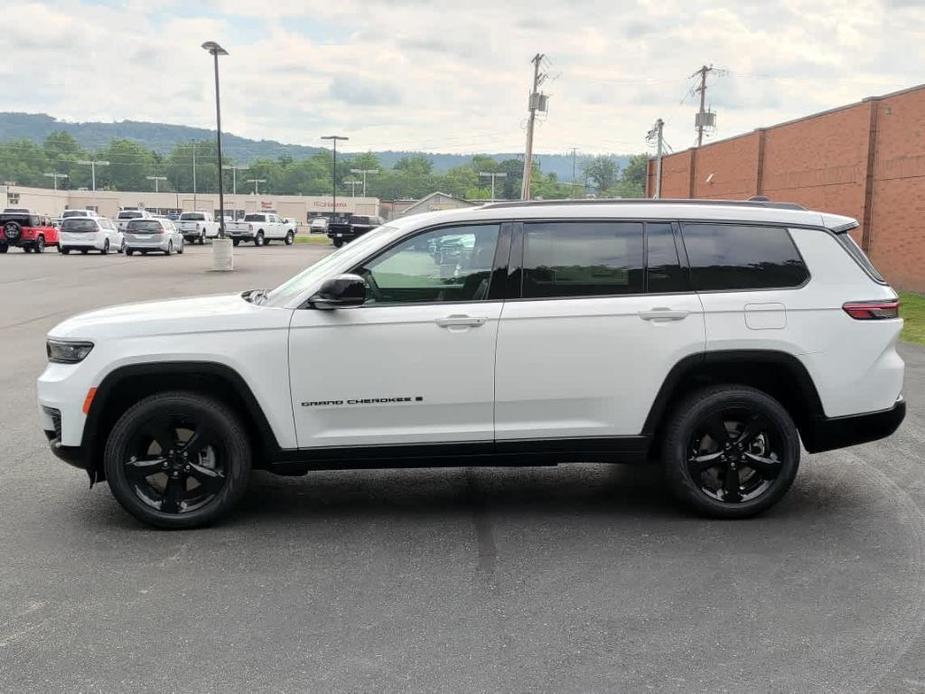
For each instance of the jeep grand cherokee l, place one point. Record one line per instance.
(711, 337)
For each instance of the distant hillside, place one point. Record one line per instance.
(161, 137)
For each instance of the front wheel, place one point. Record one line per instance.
(4, 247)
(169, 250)
(178, 460)
(290, 238)
(730, 451)
(258, 239)
(40, 244)
(202, 237)
(105, 250)
(180, 247)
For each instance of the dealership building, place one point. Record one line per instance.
(865, 160)
(108, 203)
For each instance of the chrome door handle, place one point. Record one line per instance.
(663, 314)
(457, 321)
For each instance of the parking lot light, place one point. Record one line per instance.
(222, 258)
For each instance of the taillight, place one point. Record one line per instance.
(872, 310)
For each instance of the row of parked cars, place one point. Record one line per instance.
(133, 231)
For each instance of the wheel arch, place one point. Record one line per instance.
(127, 385)
(779, 374)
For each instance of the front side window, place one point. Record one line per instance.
(570, 259)
(740, 257)
(448, 264)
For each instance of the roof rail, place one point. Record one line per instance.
(646, 201)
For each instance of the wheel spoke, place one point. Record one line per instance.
(754, 426)
(173, 494)
(142, 469)
(731, 483)
(767, 467)
(164, 434)
(203, 437)
(698, 464)
(210, 480)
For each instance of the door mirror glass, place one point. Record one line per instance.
(340, 291)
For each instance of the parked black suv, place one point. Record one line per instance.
(344, 229)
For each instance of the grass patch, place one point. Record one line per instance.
(913, 311)
(314, 239)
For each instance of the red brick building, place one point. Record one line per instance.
(865, 160)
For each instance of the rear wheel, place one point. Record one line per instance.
(202, 237)
(40, 244)
(129, 251)
(180, 247)
(63, 251)
(258, 239)
(290, 238)
(338, 243)
(105, 250)
(730, 451)
(4, 247)
(169, 250)
(27, 249)
(178, 460)
(235, 242)
(84, 251)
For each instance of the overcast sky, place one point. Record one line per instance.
(454, 76)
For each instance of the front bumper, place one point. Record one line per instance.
(829, 433)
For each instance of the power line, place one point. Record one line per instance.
(704, 119)
(537, 102)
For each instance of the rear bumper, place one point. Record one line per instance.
(829, 433)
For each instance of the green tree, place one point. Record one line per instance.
(632, 183)
(602, 171)
(129, 166)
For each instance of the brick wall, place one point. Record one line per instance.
(865, 160)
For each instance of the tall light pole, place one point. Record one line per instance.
(234, 176)
(493, 175)
(55, 176)
(156, 179)
(334, 139)
(363, 173)
(93, 165)
(256, 182)
(221, 257)
(353, 187)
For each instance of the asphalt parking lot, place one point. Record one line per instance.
(576, 578)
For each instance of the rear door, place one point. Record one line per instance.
(604, 312)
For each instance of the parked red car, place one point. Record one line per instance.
(26, 229)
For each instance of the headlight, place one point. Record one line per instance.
(67, 352)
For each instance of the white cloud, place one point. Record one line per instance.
(452, 76)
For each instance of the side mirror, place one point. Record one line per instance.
(339, 292)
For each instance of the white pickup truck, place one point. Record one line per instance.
(261, 228)
(197, 226)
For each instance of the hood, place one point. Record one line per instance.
(175, 316)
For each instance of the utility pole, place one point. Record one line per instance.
(353, 187)
(334, 139)
(156, 179)
(537, 103)
(93, 165)
(493, 175)
(363, 172)
(234, 176)
(704, 119)
(55, 176)
(656, 134)
(194, 175)
(256, 182)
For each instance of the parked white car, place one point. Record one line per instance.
(79, 213)
(155, 235)
(125, 216)
(87, 234)
(261, 228)
(198, 226)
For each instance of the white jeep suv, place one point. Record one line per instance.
(712, 337)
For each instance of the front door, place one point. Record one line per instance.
(415, 363)
(604, 313)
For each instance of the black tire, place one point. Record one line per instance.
(84, 251)
(202, 237)
(27, 249)
(290, 238)
(338, 243)
(180, 248)
(144, 252)
(63, 251)
(4, 248)
(40, 244)
(169, 250)
(730, 441)
(235, 242)
(129, 251)
(122, 247)
(161, 496)
(258, 239)
(105, 250)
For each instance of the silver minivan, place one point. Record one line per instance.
(152, 235)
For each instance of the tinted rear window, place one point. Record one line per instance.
(130, 215)
(192, 217)
(74, 213)
(731, 256)
(144, 225)
(563, 259)
(854, 250)
(78, 224)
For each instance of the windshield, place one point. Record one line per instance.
(298, 284)
(192, 217)
(78, 224)
(130, 215)
(145, 225)
(253, 218)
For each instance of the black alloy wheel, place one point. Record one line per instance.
(177, 460)
(731, 451)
